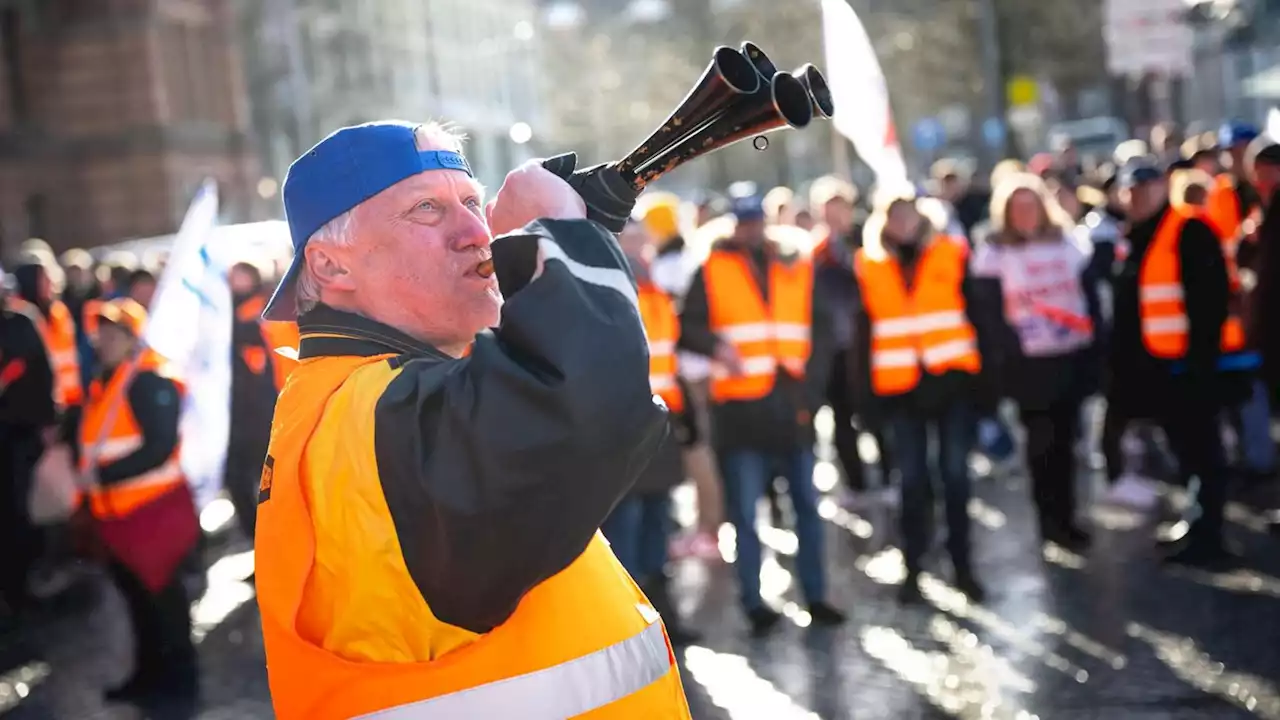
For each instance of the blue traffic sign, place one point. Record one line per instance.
(928, 134)
(993, 132)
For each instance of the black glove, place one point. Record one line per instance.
(608, 197)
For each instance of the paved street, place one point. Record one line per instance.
(1109, 635)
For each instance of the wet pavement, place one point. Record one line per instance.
(1108, 634)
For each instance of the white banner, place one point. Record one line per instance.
(189, 324)
(859, 92)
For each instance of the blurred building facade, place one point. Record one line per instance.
(313, 66)
(112, 112)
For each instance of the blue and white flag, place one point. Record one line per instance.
(189, 323)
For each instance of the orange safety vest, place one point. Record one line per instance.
(925, 325)
(1160, 295)
(1224, 213)
(59, 334)
(89, 316)
(275, 335)
(281, 334)
(662, 327)
(583, 643)
(768, 337)
(111, 404)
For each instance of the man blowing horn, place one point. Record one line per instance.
(428, 513)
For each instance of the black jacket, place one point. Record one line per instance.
(1260, 312)
(27, 398)
(935, 392)
(1147, 386)
(253, 385)
(157, 409)
(770, 423)
(498, 468)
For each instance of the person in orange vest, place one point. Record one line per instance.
(639, 527)
(920, 368)
(35, 286)
(1174, 333)
(253, 393)
(28, 425)
(1232, 199)
(429, 508)
(752, 307)
(129, 443)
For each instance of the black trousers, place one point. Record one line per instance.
(1193, 434)
(1051, 461)
(241, 478)
(847, 431)
(20, 449)
(163, 651)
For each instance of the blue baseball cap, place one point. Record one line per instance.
(343, 170)
(1236, 132)
(1137, 172)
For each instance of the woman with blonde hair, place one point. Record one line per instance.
(918, 366)
(1046, 359)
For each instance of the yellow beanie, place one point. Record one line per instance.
(661, 216)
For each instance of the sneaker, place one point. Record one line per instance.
(763, 620)
(825, 615)
(1133, 491)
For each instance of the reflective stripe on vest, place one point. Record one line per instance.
(58, 332)
(924, 327)
(111, 404)
(768, 338)
(662, 326)
(566, 690)
(1161, 303)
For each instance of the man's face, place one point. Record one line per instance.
(1266, 178)
(414, 261)
(951, 188)
(79, 277)
(838, 215)
(241, 281)
(902, 223)
(142, 291)
(1146, 198)
(749, 231)
(114, 344)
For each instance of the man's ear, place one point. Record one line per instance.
(329, 268)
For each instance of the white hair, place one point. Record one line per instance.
(340, 232)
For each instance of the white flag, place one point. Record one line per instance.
(859, 92)
(189, 324)
(1273, 125)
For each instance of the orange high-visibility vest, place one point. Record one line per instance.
(662, 327)
(924, 326)
(769, 337)
(275, 335)
(89, 316)
(1160, 295)
(59, 334)
(111, 403)
(281, 334)
(583, 643)
(1224, 213)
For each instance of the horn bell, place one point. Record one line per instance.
(759, 60)
(819, 91)
(728, 76)
(784, 102)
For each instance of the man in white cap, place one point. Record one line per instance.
(428, 512)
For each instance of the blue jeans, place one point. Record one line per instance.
(637, 530)
(746, 473)
(954, 430)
